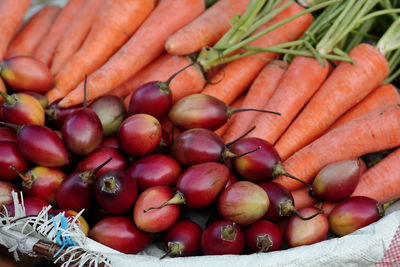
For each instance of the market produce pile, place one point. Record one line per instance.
(278, 122)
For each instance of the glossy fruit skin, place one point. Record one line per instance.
(42, 146)
(139, 134)
(196, 146)
(154, 170)
(21, 108)
(72, 214)
(82, 131)
(98, 156)
(109, 142)
(156, 220)
(199, 111)
(186, 235)
(115, 192)
(354, 213)
(306, 232)
(11, 155)
(337, 181)
(111, 112)
(263, 236)
(257, 166)
(5, 193)
(153, 98)
(202, 183)
(281, 202)
(120, 233)
(243, 202)
(75, 193)
(214, 242)
(33, 206)
(39, 97)
(44, 183)
(232, 178)
(26, 73)
(7, 134)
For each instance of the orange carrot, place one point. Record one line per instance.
(375, 131)
(114, 25)
(206, 29)
(382, 181)
(144, 46)
(302, 199)
(190, 81)
(302, 79)
(236, 104)
(257, 97)
(237, 76)
(11, 16)
(33, 31)
(347, 85)
(45, 49)
(138, 79)
(384, 95)
(76, 33)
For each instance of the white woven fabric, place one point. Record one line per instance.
(364, 247)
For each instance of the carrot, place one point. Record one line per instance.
(347, 85)
(138, 79)
(237, 76)
(375, 131)
(33, 31)
(302, 79)
(236, 104)
(382, 181)
(144, 46)
(12, 14)
(384, 95)
(302, 199)
(76, 33)
(114, 25)
(206, 29)
(257, 97)
(46, 47)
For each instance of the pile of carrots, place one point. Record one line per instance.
(330, 112)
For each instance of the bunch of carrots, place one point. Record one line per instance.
(324, 68)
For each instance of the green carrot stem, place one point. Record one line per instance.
(274, 49)
(375, 14)
(390, 40)
(243, 28)
(247, 15)
(270, 15)
(275, 26)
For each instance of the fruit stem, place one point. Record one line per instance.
(88, 176)
(27, 180)
(278, 170)
(101, 166)
(11, 125)
(174, 249)
(228, 232)
(178, 198)
(306, 218)
(240, 137)
(10, 100)
(229, 154)
(109, 185)
(167, 82)
(264, 242)
(386, 205)
(232, 111)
